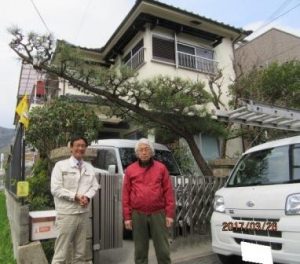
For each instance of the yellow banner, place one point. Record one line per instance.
(22, 110)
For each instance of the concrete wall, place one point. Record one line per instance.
(2, 173)
(18, 216)
(222, 167)
(25, 252)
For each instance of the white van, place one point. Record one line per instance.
(121, 153)
(260, 203)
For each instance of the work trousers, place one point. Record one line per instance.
(71, 229)
(156, 224)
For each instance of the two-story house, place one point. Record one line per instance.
(159, 39)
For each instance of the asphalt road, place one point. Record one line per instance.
(211, 259)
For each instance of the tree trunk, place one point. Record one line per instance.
(223, 149)
(206, 170)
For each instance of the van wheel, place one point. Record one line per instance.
(227, 259)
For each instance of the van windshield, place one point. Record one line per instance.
(278, 165)
(127, 156)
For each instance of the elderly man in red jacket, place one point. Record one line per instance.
(148, 204)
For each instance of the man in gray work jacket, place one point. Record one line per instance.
(73, 184)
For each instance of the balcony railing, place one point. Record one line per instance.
(137, 59)
(198, 63)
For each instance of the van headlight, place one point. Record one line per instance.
(219, 205)
(292, 206)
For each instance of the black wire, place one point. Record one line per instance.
(39, 14)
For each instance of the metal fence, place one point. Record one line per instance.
(194, 203)
(198, 63)
(15, 163)
(107, 215)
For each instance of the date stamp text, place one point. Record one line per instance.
(249, 226)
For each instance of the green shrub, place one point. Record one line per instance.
(48, 246)
(40, 197)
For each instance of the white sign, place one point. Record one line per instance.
(256, 253)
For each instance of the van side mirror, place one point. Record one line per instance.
(111, 169)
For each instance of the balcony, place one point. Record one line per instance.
(136, 60)
(197, 63)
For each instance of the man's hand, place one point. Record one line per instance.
(77, 197)
(169, 222)
(82, 200)
(128, 224)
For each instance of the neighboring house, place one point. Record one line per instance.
(155, 38)
(272, 46)
(36, 86)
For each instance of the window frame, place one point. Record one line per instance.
(194, 60)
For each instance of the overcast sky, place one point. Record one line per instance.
(90, 23)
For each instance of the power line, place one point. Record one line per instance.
(82, 19)
(39, 14)
(275, 18)
(281, 7)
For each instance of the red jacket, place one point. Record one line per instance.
(147, 190)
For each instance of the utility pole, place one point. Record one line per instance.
(1, 161)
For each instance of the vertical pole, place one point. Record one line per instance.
(23, 157)
(176, 51)
(1, 161)
(23, 153)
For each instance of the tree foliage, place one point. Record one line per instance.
(278, 84)
(170, 103)
(53, 125)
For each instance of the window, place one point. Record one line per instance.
(279, 165)
(186, 56)
(105, 157)
(135, 57)
(196, 58)
(137, 47)
(210, 147)
(204, 53)
(296, 162)
(163, 49)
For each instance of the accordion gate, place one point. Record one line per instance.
(194, 206)
(194, 203)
